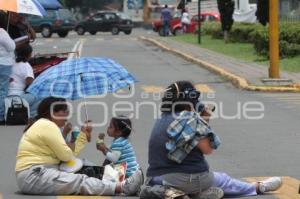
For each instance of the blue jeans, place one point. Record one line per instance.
(166, 27)
(5, 72)
(33, 103)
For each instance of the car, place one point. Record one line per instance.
(57, 21)
(176, 27)
(105, 21)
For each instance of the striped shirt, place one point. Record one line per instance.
(127, 154)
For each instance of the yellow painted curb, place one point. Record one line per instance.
(236, 80)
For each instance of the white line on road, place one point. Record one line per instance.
(77, 49)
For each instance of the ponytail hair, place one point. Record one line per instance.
(46, 107)
(123, 124)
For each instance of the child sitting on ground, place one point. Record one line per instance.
(121, 149)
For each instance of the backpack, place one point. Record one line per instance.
(16, 110)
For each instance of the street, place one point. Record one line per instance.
(261, 142)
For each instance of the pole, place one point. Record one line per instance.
(199, 21)
(274, 39)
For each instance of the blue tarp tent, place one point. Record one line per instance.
(50, 4)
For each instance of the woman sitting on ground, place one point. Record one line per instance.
(42, 148)
(187, 170)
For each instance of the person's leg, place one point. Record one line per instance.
(189, 183)
(5, 72)
(233, 187)
(165, 28)
(33, 103)
(40, 180)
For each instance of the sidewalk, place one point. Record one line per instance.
(242, 74)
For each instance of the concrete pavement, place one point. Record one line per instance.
(242, 74)
(269, 146)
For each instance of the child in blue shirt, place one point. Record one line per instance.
(121, 149)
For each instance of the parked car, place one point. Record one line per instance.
(176, 27)
(57, 21)
(105, 21)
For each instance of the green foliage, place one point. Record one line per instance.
(226, 9)
(95, 4)
(259, 36)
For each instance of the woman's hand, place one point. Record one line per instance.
(87, 129)
(67, 129)
(204, 146)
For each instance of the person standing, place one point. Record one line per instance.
(7, 57)
(166, 17)
(185, 20)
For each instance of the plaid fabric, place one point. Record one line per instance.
(78, 78)
(184, 134)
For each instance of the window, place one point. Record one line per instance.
(110, 16)
(98, 17)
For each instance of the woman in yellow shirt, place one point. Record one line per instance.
(42, 148)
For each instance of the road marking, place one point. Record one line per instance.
(288, 190)
(83, 197)
(203, 88)
(152, 89)
(49, 40)
(77, 48)
(71, 55)
(80, 47)
(99, 39)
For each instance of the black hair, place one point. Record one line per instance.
(180, 96)
(166, 5)
(3, 20)
(123, 124)
(23, 53)
(48, 106)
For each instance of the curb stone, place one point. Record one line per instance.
(236, 80)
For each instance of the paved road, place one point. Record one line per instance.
(269, 146)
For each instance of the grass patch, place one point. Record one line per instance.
(242, 51)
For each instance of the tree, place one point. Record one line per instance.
(262, 12)
(226, 9)
(96, 4)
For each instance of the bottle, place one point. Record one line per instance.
(75, 133)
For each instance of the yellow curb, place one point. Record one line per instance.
(236, 80)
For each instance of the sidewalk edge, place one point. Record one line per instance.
(236, 80)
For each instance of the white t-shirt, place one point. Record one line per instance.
(7, 48)
(20, 71)
(185, 18)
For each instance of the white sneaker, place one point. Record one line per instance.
(270, 184)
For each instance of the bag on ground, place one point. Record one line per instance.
(16, 110)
